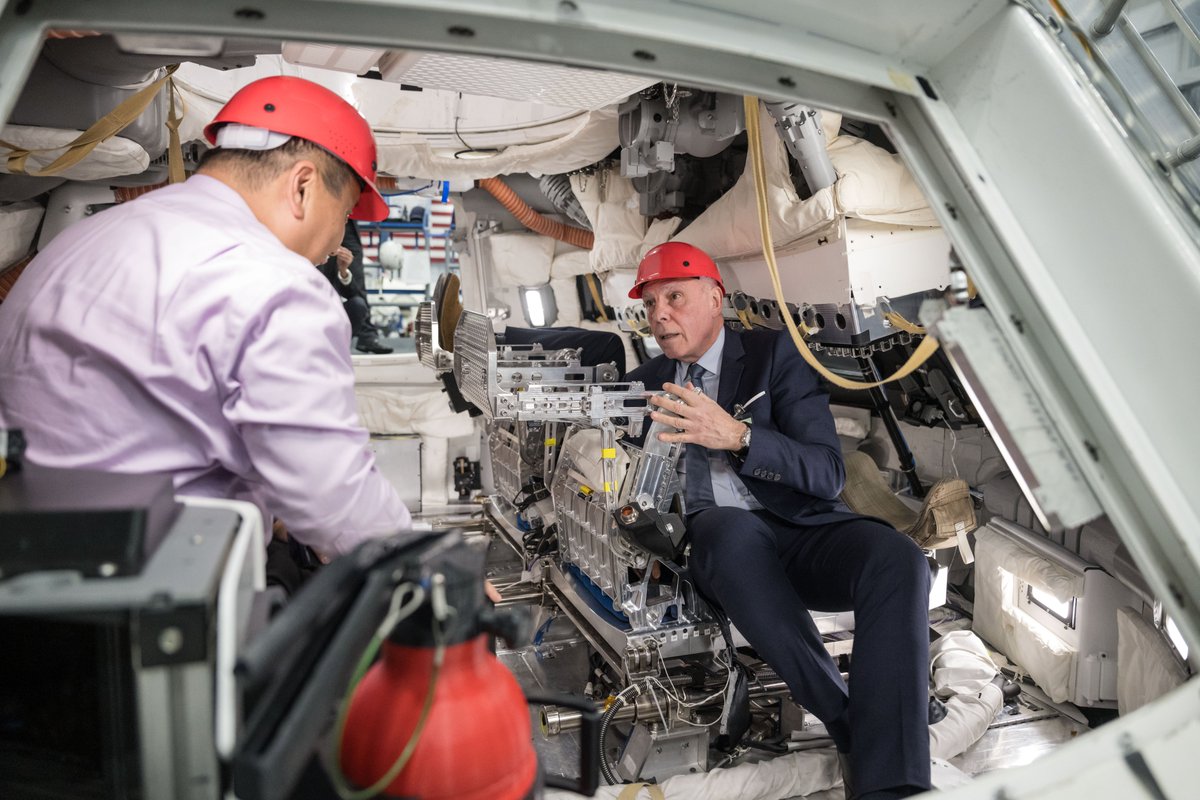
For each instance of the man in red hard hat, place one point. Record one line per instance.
(187, 332)
(762, 472)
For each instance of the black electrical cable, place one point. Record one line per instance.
(529, 495)
(606, 769)
(467, 147)
(539, 542)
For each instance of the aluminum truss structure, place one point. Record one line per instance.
(617, 573)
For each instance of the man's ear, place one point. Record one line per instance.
(302, 180)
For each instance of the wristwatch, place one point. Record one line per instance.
(745, 443)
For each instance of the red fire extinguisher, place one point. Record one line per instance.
(438, 716)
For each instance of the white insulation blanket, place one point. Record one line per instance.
(548, 148)
(18, 224)
(591, 136)
(872, 184)
(383, 410)
(962, 673)
(1147, 668)
(1000, 564)
(112, 157)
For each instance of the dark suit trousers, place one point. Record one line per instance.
(767, 574)
(359, 312)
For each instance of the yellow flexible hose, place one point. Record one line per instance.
(902, 324)
(919, 356)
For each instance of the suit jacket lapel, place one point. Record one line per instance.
(731, 368)
(665, 372)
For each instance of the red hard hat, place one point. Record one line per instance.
(298, 107)
(674, 260)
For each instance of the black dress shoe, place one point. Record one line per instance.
(372, 345)
(1009, 689)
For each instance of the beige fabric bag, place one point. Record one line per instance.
(947, 514)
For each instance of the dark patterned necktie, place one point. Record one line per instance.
(698, 491)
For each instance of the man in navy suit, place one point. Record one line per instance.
(770, 539)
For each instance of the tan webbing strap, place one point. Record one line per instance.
(634, 790)
(101, 130)
(175, 172)
(590, 280)
(637, 329)
(964, 545)
(927, 347)
(643, 333)
(805, 330)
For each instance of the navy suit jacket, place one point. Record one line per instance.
(794, 465)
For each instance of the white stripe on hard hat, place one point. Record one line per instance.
(247, 137)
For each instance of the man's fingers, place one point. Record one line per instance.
(672, 405)
(683, 423)
(684, 393)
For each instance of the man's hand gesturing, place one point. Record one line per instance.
(698, 418)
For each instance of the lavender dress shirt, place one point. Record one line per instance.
(176, 334)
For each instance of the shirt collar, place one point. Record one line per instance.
(711, 360)
(219, 190)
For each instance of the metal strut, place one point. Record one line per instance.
(908, 464)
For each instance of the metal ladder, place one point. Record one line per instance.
(1144, 58)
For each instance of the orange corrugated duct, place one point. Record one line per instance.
(127, 193)
(9, 275)
(532, 219)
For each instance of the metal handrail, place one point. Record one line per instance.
(1185, 109)
(1112, 18)
(1184, 23)
(1103, 25)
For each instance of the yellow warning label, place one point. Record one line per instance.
(903, 81)
(609, 452)
(551, 442)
